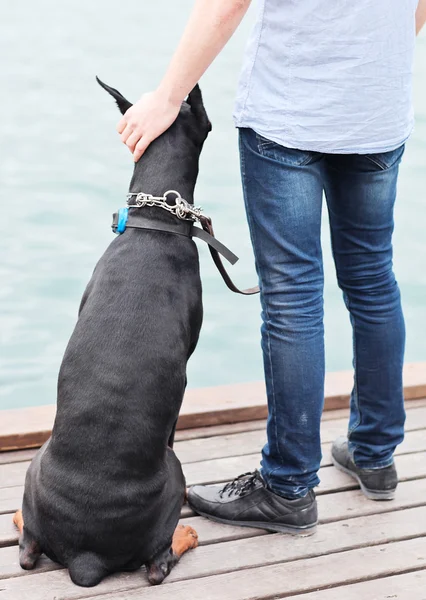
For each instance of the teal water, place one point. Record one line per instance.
(63, 172)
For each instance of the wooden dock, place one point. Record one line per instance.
(363, 550)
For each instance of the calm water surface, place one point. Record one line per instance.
(63, 172)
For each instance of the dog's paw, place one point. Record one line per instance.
(185, 538)
(18, 520)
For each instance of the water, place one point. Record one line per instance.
(63, 172)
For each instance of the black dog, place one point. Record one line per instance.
(104, 494)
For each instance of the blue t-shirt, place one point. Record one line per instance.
(330, 76)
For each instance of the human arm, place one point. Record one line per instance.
(209, 28)
(420, 15)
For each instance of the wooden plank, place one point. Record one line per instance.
(415, 421)
(186, 512)
(414, 380)
(9, 564)
(286, 579)
(331, 507)
(219, 430)
(410, 586)
(236, 444)
(275, 548)
(410, 466)
(11, 498)
(249, 442)
(229, 428)
(13, 474)
(30, 427)
(415, 441)
(17, 456)
(26, 427)
(8, 532)
(351, 504)
(270, 581)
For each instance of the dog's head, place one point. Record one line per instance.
(171, 161)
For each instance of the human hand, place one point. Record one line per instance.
(148, 118)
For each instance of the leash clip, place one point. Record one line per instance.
(181, 208)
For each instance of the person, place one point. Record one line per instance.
(324, 104)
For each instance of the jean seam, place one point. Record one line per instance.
(263, 145)
(377, 162)
(253, 236)
(381, 164)
(347, 303)
(382, 464)
(263, 142)
(356, 386)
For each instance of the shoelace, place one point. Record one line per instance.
(241, 484)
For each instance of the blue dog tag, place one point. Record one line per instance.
(123, 214)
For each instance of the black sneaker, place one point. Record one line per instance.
(247, 502)
(376, 484)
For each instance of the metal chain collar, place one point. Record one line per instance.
(181, 209)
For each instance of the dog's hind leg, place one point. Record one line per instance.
(87, 569)
(159, 567)
(29, 549)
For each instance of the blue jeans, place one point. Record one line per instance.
(283, 192)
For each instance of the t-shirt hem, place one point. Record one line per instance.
(386, 146)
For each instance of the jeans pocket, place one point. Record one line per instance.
(263, 142)
(288, 156)
(386, 160)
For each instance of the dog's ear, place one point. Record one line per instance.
(122, 103)
(195, 101)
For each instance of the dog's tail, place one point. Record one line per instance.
(122, 102)
(87, 569)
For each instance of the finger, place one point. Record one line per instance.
(126, 133)
(121, 125)
(140, 148)
(132, 140)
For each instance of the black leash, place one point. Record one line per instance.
(122, 220)
(207, 225)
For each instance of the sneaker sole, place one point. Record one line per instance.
(370, 494)
(277, 528)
